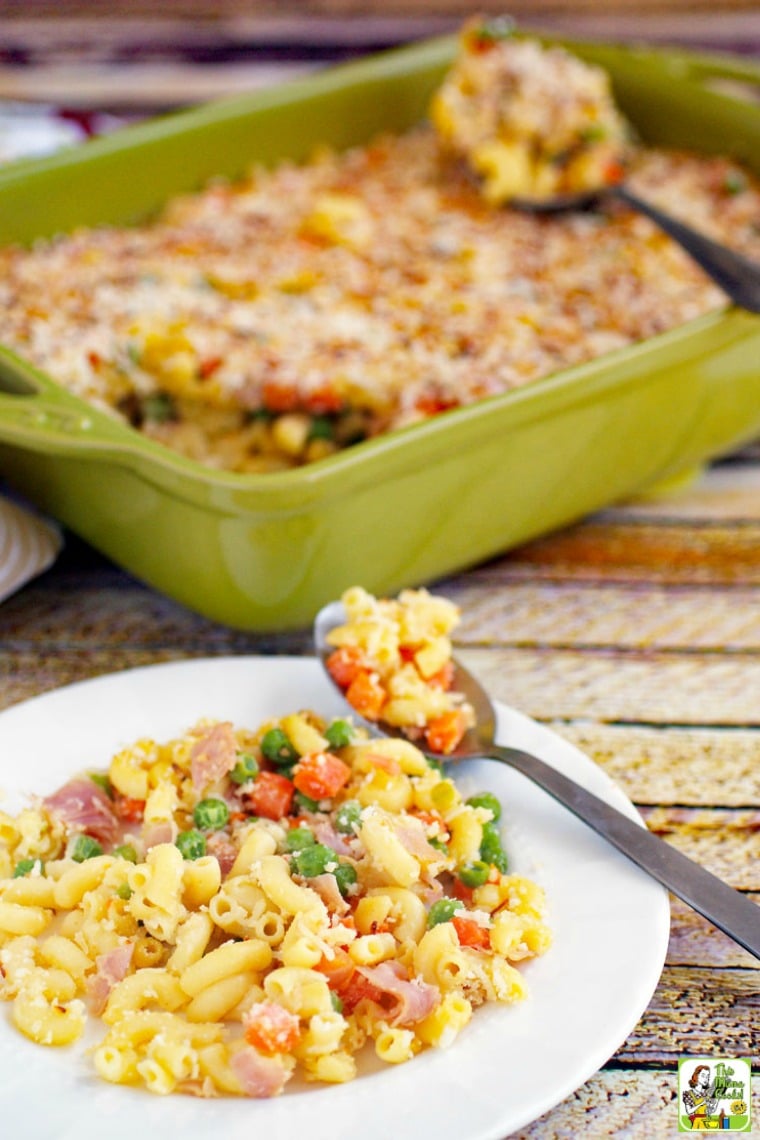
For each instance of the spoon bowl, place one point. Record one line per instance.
(725, 907)
(736, 275)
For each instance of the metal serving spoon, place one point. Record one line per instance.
(725, 907)
(737, 276)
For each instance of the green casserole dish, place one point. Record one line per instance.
(263, 552)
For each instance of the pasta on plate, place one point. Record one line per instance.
(239, 905)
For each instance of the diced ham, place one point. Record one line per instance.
(110, 969)
(430, 889)
(411, 832)
(223, 849)
(213, 755)
(155, 833)
(82, 806)
(412, 999)
(326, 887)
(259, 1076)
(325, 833)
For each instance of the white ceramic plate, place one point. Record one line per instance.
(510, 1065)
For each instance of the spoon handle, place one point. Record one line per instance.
(725, 907)
(737, 276)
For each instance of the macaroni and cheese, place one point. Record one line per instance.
(238, 905)
(271, 322)
(532, 122)
(393, 661)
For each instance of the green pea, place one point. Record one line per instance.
(443, 911)
(85, 847)
(339, 734)
(26, 866)
(211, 814)
(124, 891)
(246, 769)
(322, 427)
(491, 850)
(100, 780)
(474, 874)
(495, 29)
(345, 876)
(348, 817)
(277, 747)
(191, 843)
(336, 1002)
(305, 803)
(486, 800)
(734, 182)
(439, 845)
(299, 838)
(158, 408)
(126, 851)
(313, 860)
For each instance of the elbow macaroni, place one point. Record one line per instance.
(285, 938)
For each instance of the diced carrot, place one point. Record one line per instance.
(345, 663)
(356, 989)
(434, 405)
(271, 795)
(337, 970)
(462, 892)
(271, 1028)
(470, 932)
(430, 819)
(279, 397)
(209, 366)
(324, 400)
(614, 172)
(320, 775)
(366, 695)
(444, 678)
(345, 980)
(444, 732)
(128, 809)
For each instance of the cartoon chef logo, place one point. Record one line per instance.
(714, 1095)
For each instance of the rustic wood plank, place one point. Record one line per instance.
(725, 842)
(693, 1010)
(109, 607)
(670, 553)
(127, 59)
(634, 1105)
(638, 616)
(723, 492)
(556, 614)
(219, 10)
(646, 688)
(696, 942)
(668, 766)
(140, 87)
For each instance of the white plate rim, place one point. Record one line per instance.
(435, 1082)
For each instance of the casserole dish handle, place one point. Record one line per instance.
(37, 414)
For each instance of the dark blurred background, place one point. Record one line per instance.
(131, 56)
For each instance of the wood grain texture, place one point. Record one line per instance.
(618, 686)
(134, 58)
(637, 1105)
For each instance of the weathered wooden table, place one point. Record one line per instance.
(635, 634)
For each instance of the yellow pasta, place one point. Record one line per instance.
(231, 928)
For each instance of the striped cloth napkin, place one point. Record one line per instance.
(29, 544)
